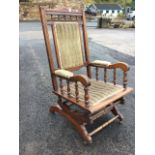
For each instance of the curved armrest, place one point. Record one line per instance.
(71, 77)
(121, 65)
(99, 63)
(81, 78)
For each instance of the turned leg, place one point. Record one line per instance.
(116, 112)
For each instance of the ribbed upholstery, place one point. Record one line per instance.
(98, 91)
(68, 43)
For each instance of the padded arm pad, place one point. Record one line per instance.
(64, 73)
(100, 62)
(70, 76)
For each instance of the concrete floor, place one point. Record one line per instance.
(42, 133)
(118, 39)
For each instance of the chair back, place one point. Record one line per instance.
(69, 45)
(69, 37)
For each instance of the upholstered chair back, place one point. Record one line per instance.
(68, 44)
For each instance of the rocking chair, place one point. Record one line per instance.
(92, 98)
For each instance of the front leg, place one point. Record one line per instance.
(54, 109)
(80, 128)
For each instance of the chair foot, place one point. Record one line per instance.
(80, 128)
(88, 142)
(53, 109)
(87, 137)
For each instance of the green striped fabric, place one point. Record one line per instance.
(69, 44)
(98, 91)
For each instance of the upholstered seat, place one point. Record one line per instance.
(98, 91)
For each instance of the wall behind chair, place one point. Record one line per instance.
(29, 11)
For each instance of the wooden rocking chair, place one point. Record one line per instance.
(92, 98)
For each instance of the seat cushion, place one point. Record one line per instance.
(98, 91)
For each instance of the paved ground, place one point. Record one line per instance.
(44, 134)
(120, 40)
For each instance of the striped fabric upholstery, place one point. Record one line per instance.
(69, 44)
(98, 91)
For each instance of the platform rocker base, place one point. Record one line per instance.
(80, 122)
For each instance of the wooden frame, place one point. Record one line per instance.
(64, 103)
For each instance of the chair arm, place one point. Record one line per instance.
(123, 66)
(81, 78)
(71, 77)
(109, 65)
(86, 83)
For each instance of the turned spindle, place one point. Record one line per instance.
(58, 17)
(105, 74)
(125, 80)
(76, 92)
(97, 73)
(114, 76)
(64, 17)
(68, 88)
(86, 97)
(61, 85)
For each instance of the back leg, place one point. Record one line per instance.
(116, 112)
(122, 101)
